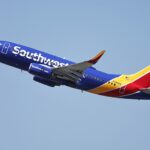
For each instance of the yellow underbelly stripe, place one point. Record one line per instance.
(119, 82)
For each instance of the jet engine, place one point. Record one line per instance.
(40, 70)
(45, 81)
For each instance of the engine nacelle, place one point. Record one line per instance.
(40, 70)
(45, 81)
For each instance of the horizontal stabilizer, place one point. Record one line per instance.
(146, 91)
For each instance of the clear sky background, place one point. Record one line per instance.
(37, 117)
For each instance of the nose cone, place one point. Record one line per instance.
(1, 46)
(2, 43)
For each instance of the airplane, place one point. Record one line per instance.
(54, 71)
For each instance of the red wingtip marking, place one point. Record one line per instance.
(97, 57)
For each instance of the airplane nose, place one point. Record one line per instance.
(1, 43)
(1, 46)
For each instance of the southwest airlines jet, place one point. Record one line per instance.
(55, 71)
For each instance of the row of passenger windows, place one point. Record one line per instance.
(113, 83)
(92, 77)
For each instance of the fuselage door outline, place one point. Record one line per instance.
(5, 48)
(122, 90)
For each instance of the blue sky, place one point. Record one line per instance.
(35, 117)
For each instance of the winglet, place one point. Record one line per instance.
(95, 59)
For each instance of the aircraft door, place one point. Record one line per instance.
(122, 90)
(5, 48)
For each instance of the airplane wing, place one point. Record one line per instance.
(75, 71)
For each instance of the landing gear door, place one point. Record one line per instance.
(5, 48)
